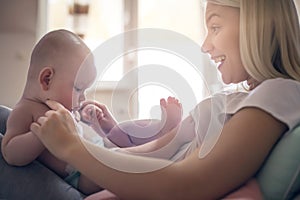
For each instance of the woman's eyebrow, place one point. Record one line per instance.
(211, 16)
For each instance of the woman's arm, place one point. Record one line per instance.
(245, 142)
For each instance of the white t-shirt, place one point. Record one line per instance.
(278, 97)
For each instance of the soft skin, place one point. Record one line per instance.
(246, 138)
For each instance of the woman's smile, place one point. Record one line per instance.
(219, 60)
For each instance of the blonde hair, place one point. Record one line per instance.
(231, 3)
(269, 37)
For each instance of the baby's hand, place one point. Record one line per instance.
(98, 117)
(91, 114)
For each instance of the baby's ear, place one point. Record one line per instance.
(45, 77)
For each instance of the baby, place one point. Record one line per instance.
(61, 69)
(54, 65)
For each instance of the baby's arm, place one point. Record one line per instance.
(98, 117)
(19, 145)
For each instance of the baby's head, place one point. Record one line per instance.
(61, 69)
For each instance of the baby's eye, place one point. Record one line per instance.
(77, 89)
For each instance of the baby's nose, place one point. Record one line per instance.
(82, 98)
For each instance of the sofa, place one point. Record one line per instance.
(278, 178)
(32, 182)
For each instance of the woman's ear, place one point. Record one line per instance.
(45, 77)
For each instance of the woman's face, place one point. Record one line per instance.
(222, 41)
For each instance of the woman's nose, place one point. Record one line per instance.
(206, 46)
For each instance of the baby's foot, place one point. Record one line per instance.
(171, 113)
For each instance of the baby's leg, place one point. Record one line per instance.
(171, 113)
(136, 132)
(132, 133)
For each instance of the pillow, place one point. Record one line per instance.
(33, 181)
(4, 112)
(279, 178)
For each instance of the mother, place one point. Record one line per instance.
(249, 43)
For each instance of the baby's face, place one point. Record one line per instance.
(85, 78)
(69, 87)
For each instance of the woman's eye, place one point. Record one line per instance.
(215, 28)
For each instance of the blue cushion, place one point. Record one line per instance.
(279, 178)
(4, 112)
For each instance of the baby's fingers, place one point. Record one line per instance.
(91, 113)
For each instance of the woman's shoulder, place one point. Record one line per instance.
(275, 90)
(278, 84)
(278, 97)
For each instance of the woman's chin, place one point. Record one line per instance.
(226, 80)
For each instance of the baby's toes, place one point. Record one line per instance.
(171, 100)
(163, 103)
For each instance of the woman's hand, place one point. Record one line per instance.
(56, 130)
